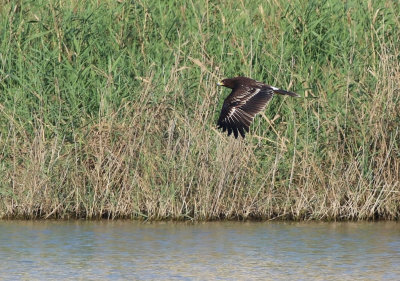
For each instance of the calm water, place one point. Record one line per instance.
(207, 251)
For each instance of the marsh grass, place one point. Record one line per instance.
(108, 110)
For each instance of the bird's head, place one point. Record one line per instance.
(229, 83)
(236, 82)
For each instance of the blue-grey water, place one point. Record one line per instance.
(127, 250)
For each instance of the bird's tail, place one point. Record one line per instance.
(284, 92)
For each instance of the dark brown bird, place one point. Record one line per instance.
(248, 97)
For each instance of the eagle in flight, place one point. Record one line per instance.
(248, 97)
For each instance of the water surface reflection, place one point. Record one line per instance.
(204, 251)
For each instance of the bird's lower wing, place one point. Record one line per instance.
(237, 115)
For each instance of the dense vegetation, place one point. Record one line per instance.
(108, 109)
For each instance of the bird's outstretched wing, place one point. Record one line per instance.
(241, 106)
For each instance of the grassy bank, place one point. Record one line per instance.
(108, 109)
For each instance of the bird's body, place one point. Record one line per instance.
(248, 97)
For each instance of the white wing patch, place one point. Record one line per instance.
(243, 98)
(253, 93)
(229, 116)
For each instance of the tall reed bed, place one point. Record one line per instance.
(108, 110)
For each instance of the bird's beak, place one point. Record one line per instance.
(220, 83)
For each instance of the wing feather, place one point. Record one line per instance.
(240, 108)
